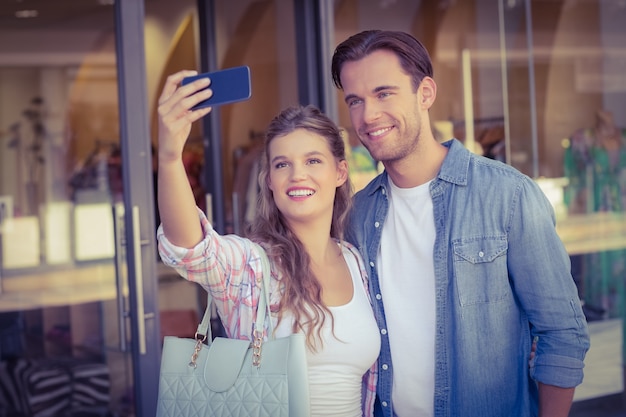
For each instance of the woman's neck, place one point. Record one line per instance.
(317, 242)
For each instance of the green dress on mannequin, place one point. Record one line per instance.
(595, 165)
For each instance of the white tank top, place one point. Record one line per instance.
(336, 370)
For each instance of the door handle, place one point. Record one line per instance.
(141, 317)
(120, 281)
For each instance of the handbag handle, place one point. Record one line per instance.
(204, 328)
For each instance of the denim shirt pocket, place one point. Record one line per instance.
(480, 269)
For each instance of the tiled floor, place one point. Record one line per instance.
(601, 393)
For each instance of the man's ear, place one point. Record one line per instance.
(428, 89)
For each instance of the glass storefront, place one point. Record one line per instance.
(79, 334)
(62, 303)
(536, 84)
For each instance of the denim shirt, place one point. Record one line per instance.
(502, 277)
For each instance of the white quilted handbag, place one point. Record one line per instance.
(234, 378)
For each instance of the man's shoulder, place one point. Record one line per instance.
(496, 170)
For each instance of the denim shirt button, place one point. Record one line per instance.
(481, 254)
(383, 331)
(372, 264)
(379, 297)
(377, 225)
(384, 403)
(385, 366)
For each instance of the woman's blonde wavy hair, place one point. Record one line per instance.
(301, 292)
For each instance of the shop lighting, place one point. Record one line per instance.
(26, 14)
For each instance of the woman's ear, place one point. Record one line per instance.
(342, 172)
(269, 183)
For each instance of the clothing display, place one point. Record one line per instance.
(246, 185)
(596, 175)
(495, 245)
(595, 166)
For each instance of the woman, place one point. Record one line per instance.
(318, 283)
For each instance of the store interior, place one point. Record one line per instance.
(537, 84)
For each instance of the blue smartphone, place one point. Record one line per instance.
(229, 86)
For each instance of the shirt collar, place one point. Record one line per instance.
(454, 169)
(380, 181)
(455, 166)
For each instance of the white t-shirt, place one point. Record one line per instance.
(336, 370)
(407, 284)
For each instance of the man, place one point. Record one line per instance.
(466, 268)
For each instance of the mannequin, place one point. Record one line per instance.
(595, 165)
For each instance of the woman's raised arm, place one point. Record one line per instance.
(177, 206)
